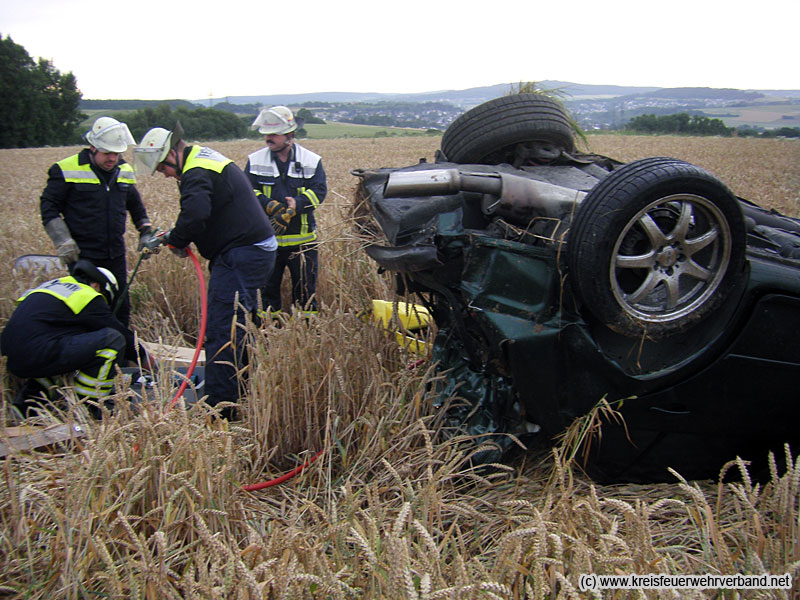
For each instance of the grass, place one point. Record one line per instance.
(762, 115)
(332, 129)
(149, 504)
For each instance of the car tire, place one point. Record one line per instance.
(489, 133)
(656, 247)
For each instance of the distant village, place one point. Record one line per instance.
(597, 109)
(591, 114)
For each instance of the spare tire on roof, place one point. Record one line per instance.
(490, 132)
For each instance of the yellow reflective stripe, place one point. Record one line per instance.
(92, 392)
(107, 353)
(80, 177)
(74, 172)
(51, 386)
(311, 195)
(126, 174)
(304, 224)
(70, 163)
(295, 240)
(206, 158)
(45, 382)
(274, 314)
(100, 385)
(71, 292)
(92, 389)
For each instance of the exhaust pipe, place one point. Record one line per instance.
(504, 194)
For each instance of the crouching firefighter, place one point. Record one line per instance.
(66, 327)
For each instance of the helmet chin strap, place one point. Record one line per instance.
(174, 166)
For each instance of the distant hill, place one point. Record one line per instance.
(686, 93)
(462, 98)
(595, 107)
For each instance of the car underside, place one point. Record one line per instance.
(568, 279)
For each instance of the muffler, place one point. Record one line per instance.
(514, 197)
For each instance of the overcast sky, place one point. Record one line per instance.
(160, 49)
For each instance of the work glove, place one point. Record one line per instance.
(68, 252)
(66, 247)
(145, 233)
(179, 252)
(281, 219)
(273, 207)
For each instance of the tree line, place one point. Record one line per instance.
(197, 123)
(681, 123)
(38, 104)
(787, 132)
(685, 124)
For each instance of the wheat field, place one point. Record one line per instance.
(152, 502)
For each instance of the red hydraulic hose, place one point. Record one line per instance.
(265, 484)
(203, 318)
(201, 280)
(198, 348)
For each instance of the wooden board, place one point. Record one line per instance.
(179, 355)
(16, 439)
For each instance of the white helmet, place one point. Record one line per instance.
(278, 119)
(153, 149)
(109, 135)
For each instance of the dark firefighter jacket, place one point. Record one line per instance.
(219, 210)
(54, 310)
(302, 178)
(94, 203)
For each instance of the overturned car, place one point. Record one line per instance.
(558, 278)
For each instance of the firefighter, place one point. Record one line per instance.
(290, 184)
(84, 204)
(65, 327)
(220, 214)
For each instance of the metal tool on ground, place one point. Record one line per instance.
(42, 263)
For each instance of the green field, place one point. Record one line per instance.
(333, 129)
(765, 115)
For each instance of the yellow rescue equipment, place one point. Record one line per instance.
(412, 318)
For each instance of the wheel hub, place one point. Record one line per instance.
(667, 257)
